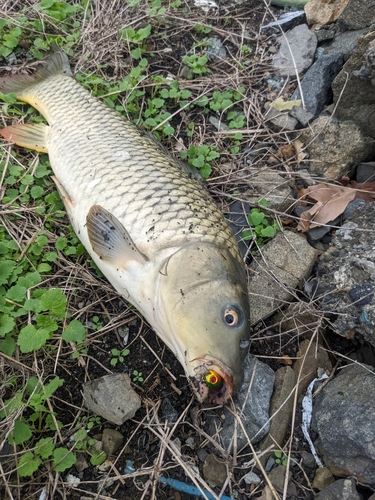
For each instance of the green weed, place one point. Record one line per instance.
(137, 376)
(261, 228)
(200, 157)
(118, 356)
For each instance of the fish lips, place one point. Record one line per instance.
(232, 381)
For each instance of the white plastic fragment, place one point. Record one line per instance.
(43, 494)
(73, 481)
(206, 4)
(307, 408)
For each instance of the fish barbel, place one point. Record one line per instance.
(151, 228)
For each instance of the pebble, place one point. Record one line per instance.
(112, 441)
(214, 471)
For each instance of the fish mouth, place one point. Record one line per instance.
(219, 394)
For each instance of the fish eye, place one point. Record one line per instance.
(232, 316)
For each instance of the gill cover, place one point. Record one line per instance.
(204, 296)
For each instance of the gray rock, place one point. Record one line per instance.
(352, 207)
(343, 417)
(344, 43)
(315, 86)
(271, 186)
(296, 53)
(310, 357)
(354, 97)
(357, 14)
(252, 404)
(343, 489)
(285, 22)
(214, 471)
(323, 34)
(168, 411)
(346, 274)
(323, 478)
(366, 172)
(112, 440)
(281, 409)
(285, 261)
(251, 478)
(308, 460)
(281, 120)
(277, 478)
(332, 155)
(112, 397)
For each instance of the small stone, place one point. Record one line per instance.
(112, 397)
(190, 441)
(308, 460)
(285, 22)
(323, 477)
(277, 477)
(81, 463)
(112, 440)
(280, 120)
(202, 454)
(343, 489)
(168, 411)
(251, 478)
(215, 49)
(366, 172)
(214, 471)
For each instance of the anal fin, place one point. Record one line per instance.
(110, 240)
(30, 135)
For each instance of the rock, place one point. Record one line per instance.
(217, 123)
(285, 22)
(310, 357)
(81, 463)
(272, 187)
(267, 494)
(112, 440)
(214, 471)
(343, 489)
(357, 14)
(252, 404)
(344, 43)
(308, 460)
(331, 154)
(285, 261)
(315, 86)
(277, 478)
(281, 120)
(346, 277)
(323, 478)
(112, 397)
(251, 478)
(281, 408)
(323, 12)
(354, 96)
(343, 417)
(324, 34)
(168, 411)
(366, 172)
(296, 52)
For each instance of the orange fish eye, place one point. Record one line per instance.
(213, 379)
(231, 316)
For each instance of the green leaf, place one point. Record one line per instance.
(6, 269)
(16, 293)
(98, 457)
(44, 447)
(75, 332)
(268, 232)
(51, 387)
(63, 459)
(255, 218)
(54, 301)
(8, 346)
(28, 464)
(30, 339)
(11, 405)
(205, 171)
(21, 433)
(36, 192)
(44, 268)
(61, 243)
(6, 324)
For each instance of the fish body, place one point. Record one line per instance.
(152, 229)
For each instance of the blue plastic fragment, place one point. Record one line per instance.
(189, 489)
(129, 469)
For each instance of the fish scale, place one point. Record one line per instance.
(149, 225)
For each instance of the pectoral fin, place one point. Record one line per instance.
(31, 136)
(110, 240)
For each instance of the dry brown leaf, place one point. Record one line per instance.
(331, 202)
(298, 146)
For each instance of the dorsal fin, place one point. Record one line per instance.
(56, 63)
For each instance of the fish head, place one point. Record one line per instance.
(203, 294)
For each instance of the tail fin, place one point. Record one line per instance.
(56, 63)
